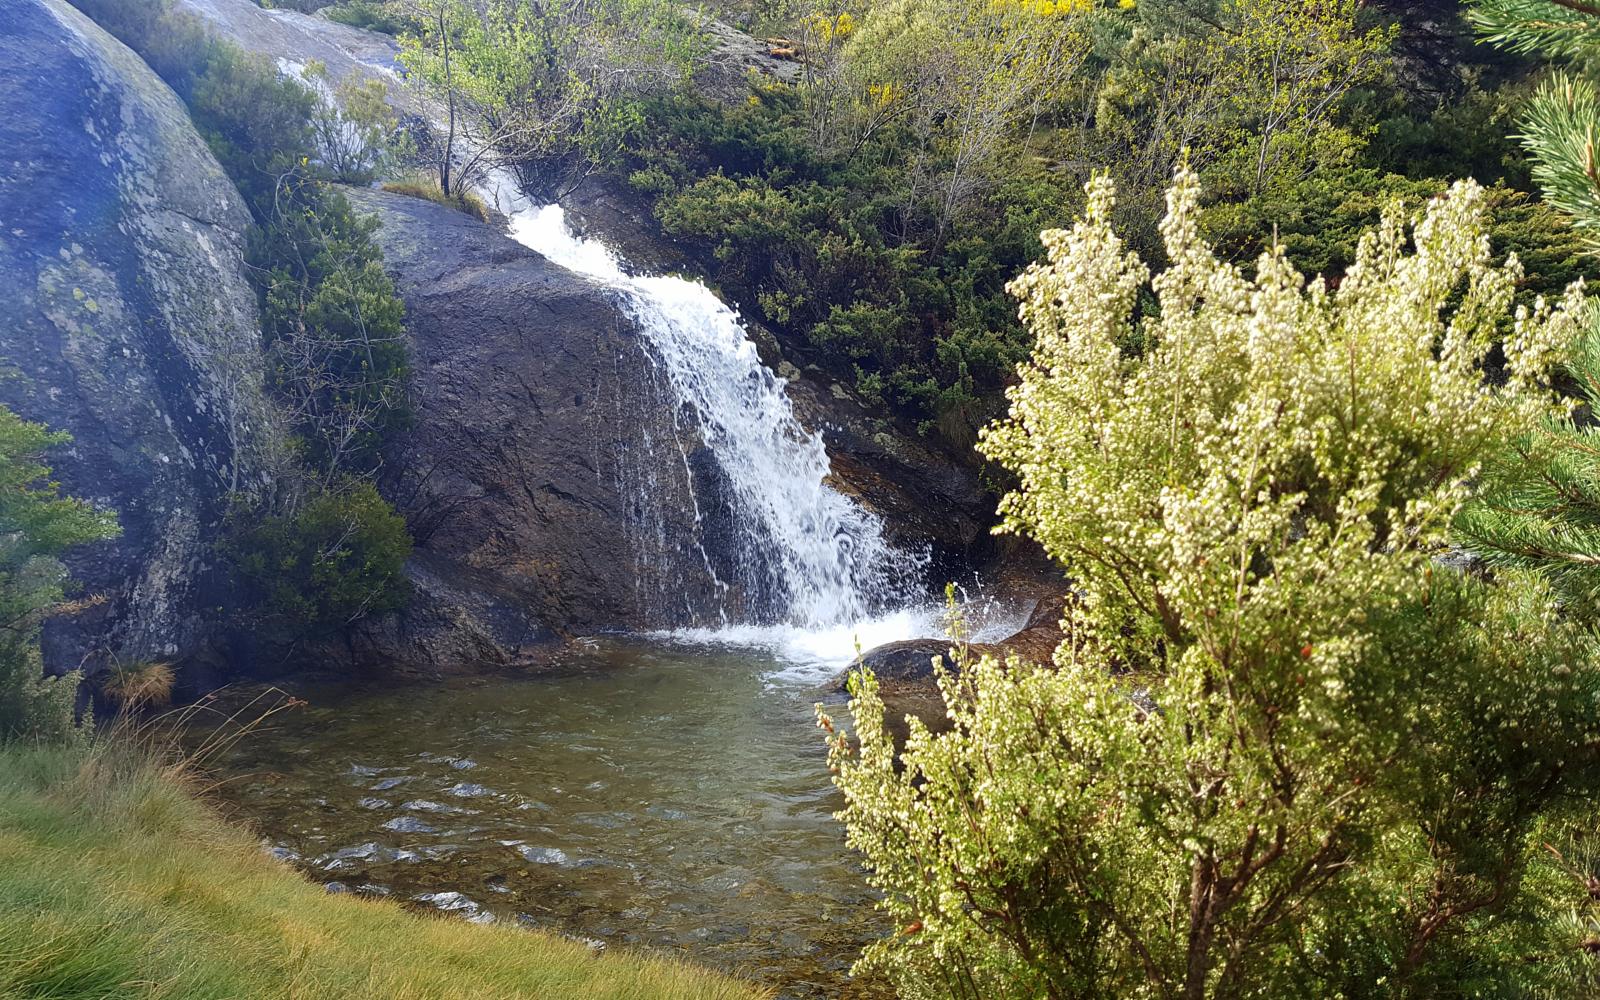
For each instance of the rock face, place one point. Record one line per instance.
(544, 469)
(926, 498)
(733, 56)
(126, 320)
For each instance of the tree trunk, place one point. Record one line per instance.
(450, 95)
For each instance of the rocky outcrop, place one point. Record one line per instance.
(126, 320)
(733, 57)
(545, 466)
(926, 497)
(909, 664)
(296, 37)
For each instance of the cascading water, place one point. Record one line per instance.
(805, 555)
(804, 570)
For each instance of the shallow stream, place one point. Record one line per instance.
(646, 792)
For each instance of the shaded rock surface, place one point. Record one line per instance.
(544, 469)
(126, 320)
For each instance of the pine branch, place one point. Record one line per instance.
(1553, 28)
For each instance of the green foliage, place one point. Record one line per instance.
(37, 525)
(334, 328)
(1320, 220)
(358, 134)
(814, 247)
(1539, 507)
(1560, 121)
(335, 559)
(1250, 91)
(1282, 752)
(332, 322)
(257, 123)
(386, 16)
(1559, 133)
(548, 87)
(1556, 28)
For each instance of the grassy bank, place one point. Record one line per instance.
(115, 881)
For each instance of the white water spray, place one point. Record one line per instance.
(807, 556)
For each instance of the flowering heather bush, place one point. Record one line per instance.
(1284, 751)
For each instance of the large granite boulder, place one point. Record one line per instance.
(126, 319)
(546, 465)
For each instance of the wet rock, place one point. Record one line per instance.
(347, 858)
(545, 855)
(409, 824)
(907, 677)
(530, 477)
(129, 322)
(457, 903)
(425, 806)
(911, 661)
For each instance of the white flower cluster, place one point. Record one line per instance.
(1248, 485)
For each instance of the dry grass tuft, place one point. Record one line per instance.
(428, 189)
(140, 685)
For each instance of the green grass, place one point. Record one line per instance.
(116, 881)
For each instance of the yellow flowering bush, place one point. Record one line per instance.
(1284, 751)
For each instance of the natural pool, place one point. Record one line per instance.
(642, 792)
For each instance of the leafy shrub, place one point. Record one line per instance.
(1320, 220)
(1282, 752)
(258, 124)
(358, 135)
(374, 15)
(335, 559)
(818, 249)
(36, 526)
(334, 329)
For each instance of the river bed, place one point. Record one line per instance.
(642, 793)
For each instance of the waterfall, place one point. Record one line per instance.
(802, 554)
(804, 559)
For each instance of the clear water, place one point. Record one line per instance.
(644, 793)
